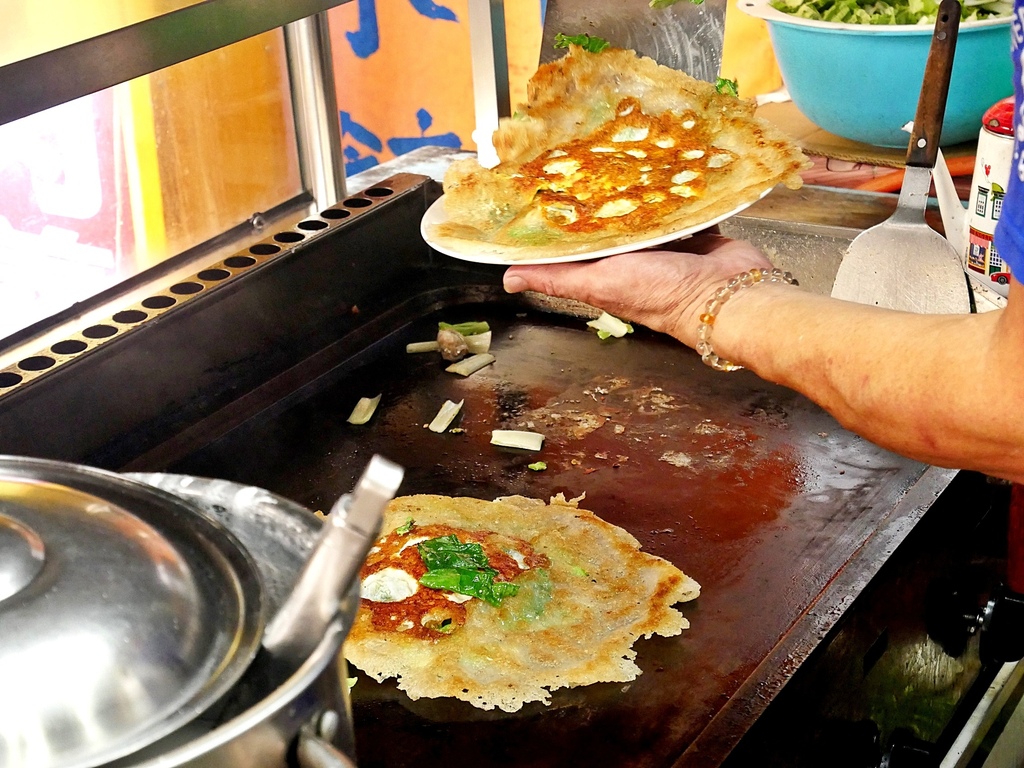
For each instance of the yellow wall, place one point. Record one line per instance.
(403, 71)
(413, 81)
(747, 55)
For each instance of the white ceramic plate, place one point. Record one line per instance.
(490, 253)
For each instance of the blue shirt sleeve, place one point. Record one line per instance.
(1009, 234)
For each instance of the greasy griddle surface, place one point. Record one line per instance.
(746, 486)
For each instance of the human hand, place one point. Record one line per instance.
(666, 290)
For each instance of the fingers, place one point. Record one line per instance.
(515, 282)
(559, 280)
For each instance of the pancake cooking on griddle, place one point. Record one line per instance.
(498, 603)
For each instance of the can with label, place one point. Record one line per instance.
(985, 204)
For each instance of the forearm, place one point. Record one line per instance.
(948, 390)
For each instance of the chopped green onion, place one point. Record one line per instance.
(421, 346)
(537, 466)
(607, 325)
(445, 416)
(451, 344)
(478, 343)
(512, 438)
(405, 527)
(728, 87)
(471, 365)
(364, 410)
(447, 626)
(477, 337)
(466, 329)
(351, 682)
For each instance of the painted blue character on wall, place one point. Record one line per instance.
(365, 41)
(402, 145)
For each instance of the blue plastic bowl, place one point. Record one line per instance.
(861, 82)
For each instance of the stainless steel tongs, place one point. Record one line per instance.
(350, 530)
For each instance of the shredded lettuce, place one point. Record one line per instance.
(885, 11)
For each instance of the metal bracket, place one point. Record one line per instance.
(489, 53)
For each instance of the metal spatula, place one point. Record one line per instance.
(903, 263)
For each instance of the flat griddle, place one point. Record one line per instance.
(248, 369)
(750, 488)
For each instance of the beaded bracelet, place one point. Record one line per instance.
(707, 319)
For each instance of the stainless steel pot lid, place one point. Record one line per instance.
(124, 613)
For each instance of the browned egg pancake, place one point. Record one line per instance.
(585, 594)
(636, 168)
(612, 148)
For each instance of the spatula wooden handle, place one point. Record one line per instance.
(931, 104)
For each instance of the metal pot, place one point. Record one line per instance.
(132, 622)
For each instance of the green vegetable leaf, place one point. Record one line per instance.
(463, 568)
(503, 589)
(447, 552)
(405, 527)
(537, 466)
(727, 86)
(588, 43)
(443, 578)
(475, 583)
(667, 3)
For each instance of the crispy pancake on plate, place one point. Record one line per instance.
(611, 152)
(584, 593)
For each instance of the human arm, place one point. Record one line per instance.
(947, 390)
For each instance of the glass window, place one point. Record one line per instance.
(96, 190)
(982, 203)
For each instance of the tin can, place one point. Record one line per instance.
(988, 186)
